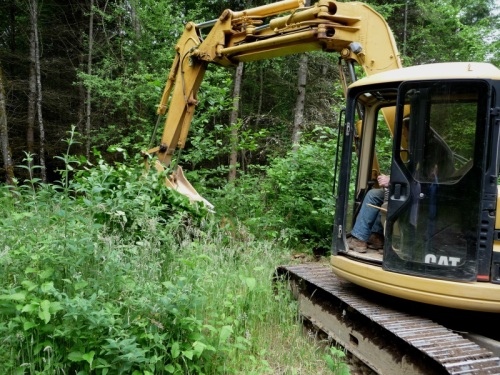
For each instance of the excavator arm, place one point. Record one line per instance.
(353, 29)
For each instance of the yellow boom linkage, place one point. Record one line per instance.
(352, 29)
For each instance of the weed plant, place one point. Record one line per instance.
(108, 272)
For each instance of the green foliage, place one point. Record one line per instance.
(208, 138)
(439, 31)
(75, 287)
(97, 276)
(122, 197)
(334, 360)
(243, 201)
(291, 200)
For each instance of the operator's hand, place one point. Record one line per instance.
(383, 180)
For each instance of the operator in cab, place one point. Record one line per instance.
(368, 232)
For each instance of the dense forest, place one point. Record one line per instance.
(81, 271)
(99, 67)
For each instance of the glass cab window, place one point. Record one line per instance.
(436, 180)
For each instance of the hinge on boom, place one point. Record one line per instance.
(495, 111)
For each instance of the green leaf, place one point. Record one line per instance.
(225, 332)
(44, 312)
(30, 270)
(89, 357)
(188, 354)
(47, 287)
(80, 285)
(45, 274)
(329, 362)
(28, 325)
(30, 307)
(29, 285)
(13, 297)
(75, 356)
(170, 369)
(251, 282)
(55, 307)
(175, 350)
(198, 347)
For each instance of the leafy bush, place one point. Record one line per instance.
(111, 273)
(79, 294)
(291, 200)
(126, 197)
(298, 190)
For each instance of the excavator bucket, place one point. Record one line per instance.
(178, 181)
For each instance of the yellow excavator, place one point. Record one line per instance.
(439, 214)
(441, 229)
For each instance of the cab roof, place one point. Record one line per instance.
(452, 70)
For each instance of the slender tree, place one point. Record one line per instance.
(88, 108)
(4, 135)
(32, 96)
(298, 119)
(233, 157)
(35, 56)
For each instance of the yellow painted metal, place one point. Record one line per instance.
(475, 296)
(452, 70)
(162, 107)
(496, 244)
(334, 26)
(270, 9)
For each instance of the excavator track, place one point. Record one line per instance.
(385, 338)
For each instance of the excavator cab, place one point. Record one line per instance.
(440, 213)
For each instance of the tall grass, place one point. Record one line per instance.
(104, 274)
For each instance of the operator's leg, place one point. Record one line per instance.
(377, 225)
(368, 219)
(376, 240)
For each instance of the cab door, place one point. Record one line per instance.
(440, 202)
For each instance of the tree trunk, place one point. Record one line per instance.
(261, 96)
(30, 132)
(299, 104)
(34, 26)
(136, 24)
(88, 110)
(405, 28)
(298, 119)
(233, 157)
(4, 136)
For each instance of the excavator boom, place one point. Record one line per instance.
(354, 30)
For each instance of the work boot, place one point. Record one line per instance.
(376, 241)
(357, 245)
